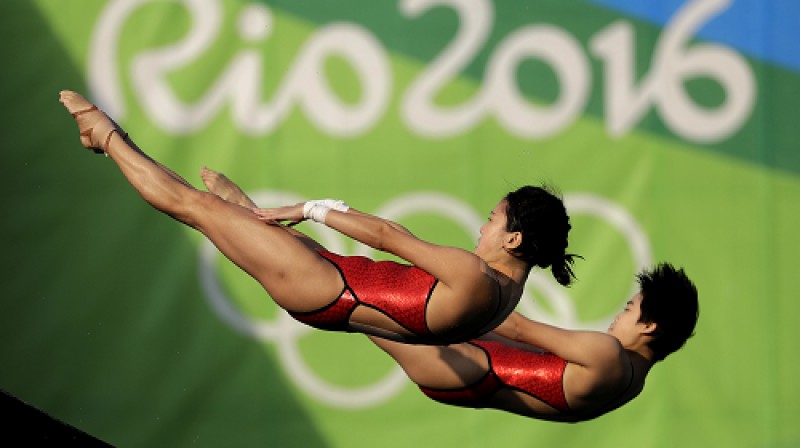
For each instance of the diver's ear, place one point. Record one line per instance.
(513, 240)
(649, 329)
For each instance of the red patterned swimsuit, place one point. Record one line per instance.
(540, 375)
(400, 291)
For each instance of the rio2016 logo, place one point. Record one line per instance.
(284, 332)
(626, 100)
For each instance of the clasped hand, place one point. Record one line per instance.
(288, 214)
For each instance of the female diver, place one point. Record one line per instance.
(443, 295)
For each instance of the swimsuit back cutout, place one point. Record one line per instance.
(471, 396)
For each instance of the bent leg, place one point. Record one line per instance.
(437, 366)
(296, 277)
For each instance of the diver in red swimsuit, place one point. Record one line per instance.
(544, 372)
(473, 291)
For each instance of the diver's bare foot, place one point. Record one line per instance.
(223, 187)
(95, 127)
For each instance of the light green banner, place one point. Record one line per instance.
(667, 146)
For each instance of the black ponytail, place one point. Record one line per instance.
(562, 269)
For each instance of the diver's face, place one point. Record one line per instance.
(493, 234)
(626, 326)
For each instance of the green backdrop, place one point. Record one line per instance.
(669, 128)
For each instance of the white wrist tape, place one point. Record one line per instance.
(317, 210)
(334, 204)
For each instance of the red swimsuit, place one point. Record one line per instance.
(398, 290)
(540, 375)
